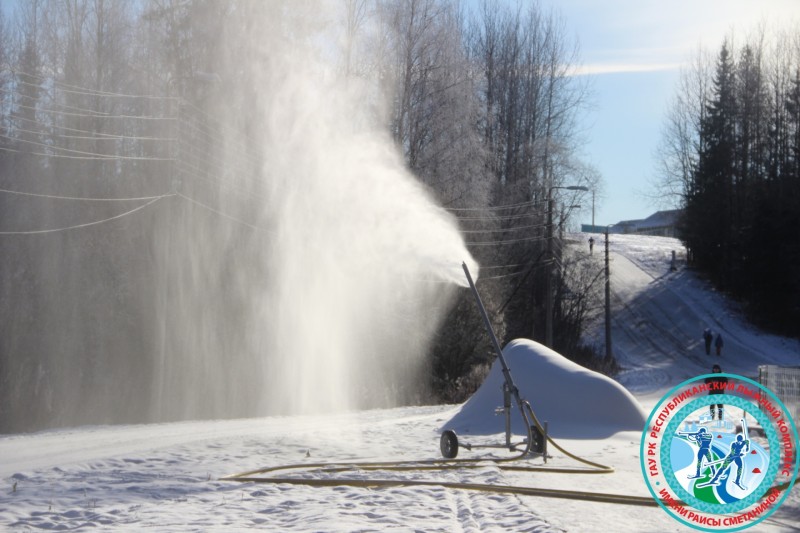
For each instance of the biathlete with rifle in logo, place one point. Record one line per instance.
(703, 439)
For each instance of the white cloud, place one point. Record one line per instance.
(625, 67)
(634, 36)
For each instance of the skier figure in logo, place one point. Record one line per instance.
(738, 448)
(703, 439)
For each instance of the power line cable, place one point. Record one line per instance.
(90, 137)
(192, 171)
(211, 148)
(69, 114)
(88, 158)
(504, 217)
(83, 155)
(208, 182)
(206, 118)
(509, 241)
(85, 199)
(93, 134)
(89, 112)
(54, 230)
(500, 230)
(218, 163)
(96, 158)
(208, 135)
(58, 85)
(220, 213)
(499, 207)
(211, 139)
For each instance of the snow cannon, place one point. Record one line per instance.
(535, 442)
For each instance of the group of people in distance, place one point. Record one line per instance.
(708, 336)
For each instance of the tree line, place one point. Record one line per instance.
(731, 153)
(98, 96)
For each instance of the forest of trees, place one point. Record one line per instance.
(112, 99)
(731, 153)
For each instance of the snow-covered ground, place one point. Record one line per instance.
(166, 477)
(659, 316)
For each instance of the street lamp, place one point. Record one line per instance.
(549, 278)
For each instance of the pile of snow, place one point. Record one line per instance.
(576, 402)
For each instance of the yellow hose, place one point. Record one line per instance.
(255, 476)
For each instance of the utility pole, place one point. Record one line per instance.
(548, 320)
(608, 304)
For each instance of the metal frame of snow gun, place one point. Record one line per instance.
(536, 441)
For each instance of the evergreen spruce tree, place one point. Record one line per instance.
(709, 200)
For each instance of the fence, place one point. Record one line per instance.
(784, 382)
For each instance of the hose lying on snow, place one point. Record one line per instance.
(256, 476)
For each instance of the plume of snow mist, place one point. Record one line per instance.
(353, 297)
(351, 270)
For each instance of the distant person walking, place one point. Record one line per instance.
(718, 343)
(591, 245)
(708, 337)
(716, 385)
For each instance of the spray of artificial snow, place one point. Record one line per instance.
(353, 266)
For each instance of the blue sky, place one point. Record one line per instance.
(634, 50)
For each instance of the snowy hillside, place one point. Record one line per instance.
(659, 316)
(167, 477)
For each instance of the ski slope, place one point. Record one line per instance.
(167, 477)
(658, 317)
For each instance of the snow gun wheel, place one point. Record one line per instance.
(449, 444)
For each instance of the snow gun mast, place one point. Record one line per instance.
(536, 441)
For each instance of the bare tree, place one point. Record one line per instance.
(680, 138)
(529, 101)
